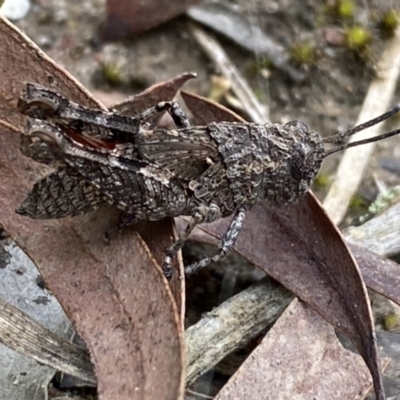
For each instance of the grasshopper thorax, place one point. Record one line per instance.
(292, 158)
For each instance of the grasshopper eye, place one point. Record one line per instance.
(304, 161)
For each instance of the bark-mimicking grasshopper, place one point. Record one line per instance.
(205, 172)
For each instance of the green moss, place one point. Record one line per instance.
(385, 200)
(358, 39)
(390, 322)
(388, 23)
(112, 73)
(345, 9)
(342, 9)
(357, 203)
(303, 54)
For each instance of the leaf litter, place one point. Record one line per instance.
(115, 295)
(266, 256)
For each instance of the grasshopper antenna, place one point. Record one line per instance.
(340, 136)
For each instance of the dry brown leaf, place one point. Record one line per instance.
(126, 18)
(115, 295)
(302, 249)
(379, 273)
(157, 243)
(300, 358)
(164, 91)
(206, 112)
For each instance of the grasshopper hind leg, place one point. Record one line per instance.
(178, 244)
(227, 242)
(202, 214)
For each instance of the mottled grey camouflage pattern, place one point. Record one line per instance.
(205, 172)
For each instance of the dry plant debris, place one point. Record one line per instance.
(297, 245)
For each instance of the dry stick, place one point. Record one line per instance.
(227, 20)
(192, 395)
(232, 325)
(376, 102)
(257, 112)
(23, 334)
(380, 235)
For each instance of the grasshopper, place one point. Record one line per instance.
(204, 172)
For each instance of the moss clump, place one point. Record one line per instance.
(390, 322)
(388, 23)
(358, 39)
(303, 54)
(357, 203)
(342, 9)
(385, 200)
(112, 73)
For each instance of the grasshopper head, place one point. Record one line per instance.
(293, 158)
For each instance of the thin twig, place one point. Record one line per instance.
(232, 325)
(23, 334)
(196, 395)
(380, 234)
(225, 19)
(257, 112)
(354, 161)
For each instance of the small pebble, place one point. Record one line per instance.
(15, 9)
(44, 42)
